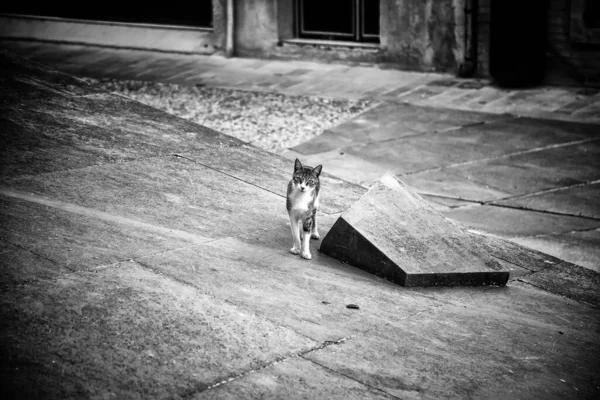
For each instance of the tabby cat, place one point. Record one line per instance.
(302, 204)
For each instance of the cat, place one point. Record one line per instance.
(302, 205)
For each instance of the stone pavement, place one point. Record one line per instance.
(523, 164)
(144, 256)
(316, 79)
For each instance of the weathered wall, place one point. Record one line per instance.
(426, 35)
(569, 61)
(256, 26)
(570, 58)
(219, 25)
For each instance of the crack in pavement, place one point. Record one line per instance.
(545, 191)
(325, 344)
(501, 156)
(351, 378)
(492, 203)
(523, 208)
(191, 392)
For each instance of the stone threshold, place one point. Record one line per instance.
(331, 43)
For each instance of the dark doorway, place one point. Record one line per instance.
(348, 20)
(196, 14)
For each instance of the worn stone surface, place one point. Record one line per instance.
(548, 168)
(194, 315)
(58, 114)
(478, 143)
(581, 200)
(18, 265)
(295, 378)
(521, 360)
(392, 232)
(509, 251)
(581, 248)
(273, 173)
(257, 273)
(128, 332)
(449, 183)
(512, 222)
(388, 121)
(194, 198)
(569, 280)
(343, 165)
(75, 238)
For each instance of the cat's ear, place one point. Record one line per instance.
(297, 166)
(317, 170)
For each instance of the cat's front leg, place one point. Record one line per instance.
(296, 248)
(306, 232)
(314, 232)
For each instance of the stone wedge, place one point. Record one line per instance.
(392, 232)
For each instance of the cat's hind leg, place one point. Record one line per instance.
(296, 248)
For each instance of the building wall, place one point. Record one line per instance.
(425, 35)
(114, 34)
(568, 62)
(256, 26)
(570, 59)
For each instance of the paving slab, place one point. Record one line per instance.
(259, 274)
(262, 169)
(392, 232)
(20, 266)
(192, 198)
(53, 121)
(450, 183)
(346, 166)
(512, 253)
(388, 121)
(581, 200)
(531, 172)
(471, 144)
(66, 237)
(127, 332)
(569, 280)
(512, 222)
(188, 318)
(581, 248)
(448, 352)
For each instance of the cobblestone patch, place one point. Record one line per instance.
(271, 121)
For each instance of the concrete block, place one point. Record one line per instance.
(394, 233)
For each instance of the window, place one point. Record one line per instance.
(347, 20)
(197, 14)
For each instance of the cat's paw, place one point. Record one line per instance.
(315, 236)
(306, 255)
(295, 250)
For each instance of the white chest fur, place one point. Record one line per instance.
(303, 201)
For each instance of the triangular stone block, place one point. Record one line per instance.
(392, 232)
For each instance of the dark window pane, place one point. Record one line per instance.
(334, 16)
(591, 14)
(371, 17)
(198, 13)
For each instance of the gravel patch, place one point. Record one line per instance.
(272, 121)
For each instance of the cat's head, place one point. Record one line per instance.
(305, 179)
